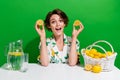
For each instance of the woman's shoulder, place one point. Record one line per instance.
(50, 41)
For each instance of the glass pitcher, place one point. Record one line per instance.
(15, 55)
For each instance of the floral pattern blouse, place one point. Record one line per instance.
(56, 56)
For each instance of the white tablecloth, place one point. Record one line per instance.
(57, 72)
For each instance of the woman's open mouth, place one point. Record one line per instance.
(58, 29)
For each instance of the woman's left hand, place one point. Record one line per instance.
(75, 32)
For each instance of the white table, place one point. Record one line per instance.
(57, 72)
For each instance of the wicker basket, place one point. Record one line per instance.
(106, 63)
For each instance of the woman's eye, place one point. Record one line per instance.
(61, 20)
(52, 22)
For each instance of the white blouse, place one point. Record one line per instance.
(56, 56)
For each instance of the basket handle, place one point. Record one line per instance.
(90, 46)
(104, 42)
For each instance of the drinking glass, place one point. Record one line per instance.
(24, 67)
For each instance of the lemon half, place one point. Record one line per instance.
(88, 67)
(15, 53)
(40, 22)
(76, 23)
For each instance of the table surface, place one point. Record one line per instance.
(58, 72)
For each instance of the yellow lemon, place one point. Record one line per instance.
(15, 53)
(96, 57)
(93, 51)
(109, 53)
(76, 23)
(88, 67)
(99, 54)
(40, 22)
(96, 69)
(103, 55)
(91, 55)
(87, 54)
(86, 51)
(18, 54)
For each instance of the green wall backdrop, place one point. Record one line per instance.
(18, 17)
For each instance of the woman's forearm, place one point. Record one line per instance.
(73, 58)
(43, 53)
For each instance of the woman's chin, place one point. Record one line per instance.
(59, 33)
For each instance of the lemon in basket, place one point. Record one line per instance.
(103, 55)
(88, 67)
(91, 55)
(109, 53)
(86, 51)
(93, 51)
(96, 68)
(95, 54)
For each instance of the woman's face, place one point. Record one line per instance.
(56, 24)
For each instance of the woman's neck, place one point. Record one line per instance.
(59, 37)
(59, 41)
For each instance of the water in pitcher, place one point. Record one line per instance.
(15, 55)
(15, 60)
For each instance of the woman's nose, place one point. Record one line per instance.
(58, 23)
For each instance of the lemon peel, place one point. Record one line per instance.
(97, 55)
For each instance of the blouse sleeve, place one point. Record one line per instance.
(38, 58)
(78, 47)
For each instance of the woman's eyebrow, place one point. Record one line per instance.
(52, 19)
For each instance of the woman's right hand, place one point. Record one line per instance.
(41, 32)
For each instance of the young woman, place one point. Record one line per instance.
(59, 48)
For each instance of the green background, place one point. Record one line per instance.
(18, 17)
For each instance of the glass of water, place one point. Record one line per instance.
(24, 67)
